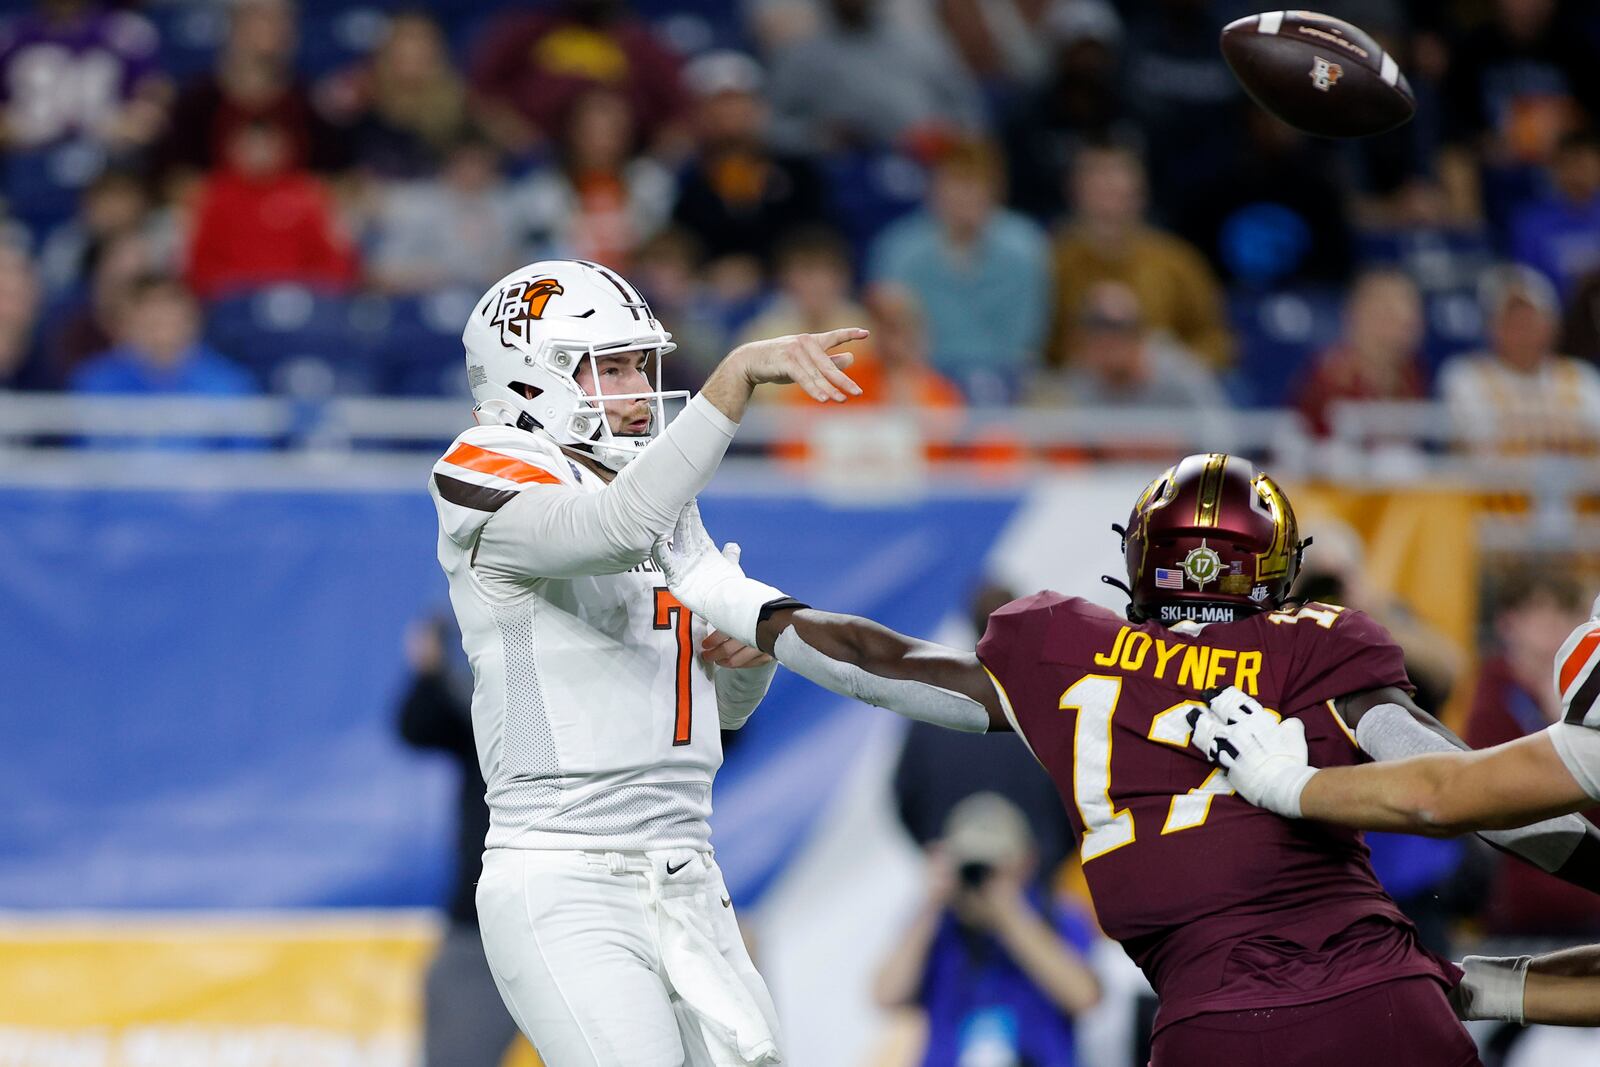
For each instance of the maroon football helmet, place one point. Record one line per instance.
(1212, 539)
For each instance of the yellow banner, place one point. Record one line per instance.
(300, 990)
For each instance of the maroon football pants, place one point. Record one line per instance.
(1407, 1021)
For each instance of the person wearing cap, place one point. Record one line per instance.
(1520, 396)
(1120, 362)
(736, 195)
(996, 965)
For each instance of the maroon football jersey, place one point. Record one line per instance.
(1223, 905)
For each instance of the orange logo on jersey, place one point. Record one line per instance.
(521, 303)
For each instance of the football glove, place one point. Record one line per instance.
(1267, 760)
(710, 583)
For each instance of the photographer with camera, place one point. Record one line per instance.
(994, 962)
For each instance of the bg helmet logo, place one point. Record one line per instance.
(521, 303)
(1325, 74)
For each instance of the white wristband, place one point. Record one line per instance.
(1282, 795)
(1492, 987)
(734, 605)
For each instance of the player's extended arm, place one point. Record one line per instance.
(851, 656)
(1426, 781)
(1558, 989)
(552, 531)
(1448, 793)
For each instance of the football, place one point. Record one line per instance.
(1319, 74)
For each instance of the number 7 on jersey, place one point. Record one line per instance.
(671, 615)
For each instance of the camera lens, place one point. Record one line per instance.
(973, 875)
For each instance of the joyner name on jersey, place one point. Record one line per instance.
(1197, 667)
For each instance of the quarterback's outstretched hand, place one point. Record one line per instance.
(1266, 760)
(803, 359)
(708, 582)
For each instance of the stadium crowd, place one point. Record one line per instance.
(1049, 202)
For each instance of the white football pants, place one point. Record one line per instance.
(623, 959)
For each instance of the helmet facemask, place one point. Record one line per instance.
(590, 423)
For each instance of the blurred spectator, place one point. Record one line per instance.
(89, 325)
(1376, 359)
(813, 276)
(939, 768)
(464, 1020)
(737, 196)
(868, 81)
(993, 962)
(254, 82)
(1120, 362)
(535, 66)
(116, 202)
(1183, 94)
(1516, 84)
(666, 271)
(891, 367)
(19, 314)
(1513, 697)
(981, 273)
(1521, 396)
(1004, 43)
(1107, 239)
(464, 228)
(1559, 234)
(159, 349)
(1078, 103)
(600, 200)
(406, 107)
(1276, 217)
(260, 219)
(74, 69)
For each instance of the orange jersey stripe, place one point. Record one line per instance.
(483, 461)
(1580, 655)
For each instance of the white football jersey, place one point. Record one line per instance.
(596, 722)
(1577, 678)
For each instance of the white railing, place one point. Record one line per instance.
(385, 443)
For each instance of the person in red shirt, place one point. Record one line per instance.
(1377, 357)
(260, 220)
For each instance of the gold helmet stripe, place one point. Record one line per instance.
(1270, 500)
(1209, 503)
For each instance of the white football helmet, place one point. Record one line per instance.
(535, 327)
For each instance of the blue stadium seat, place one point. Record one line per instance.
(295, 340)
(418, 352)
(1277, 334)
(869, 190)
(41, 186)
(1446, 264)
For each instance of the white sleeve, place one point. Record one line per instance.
(1579, 749)
(739, 692)
(903, 696)
(555, 531)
